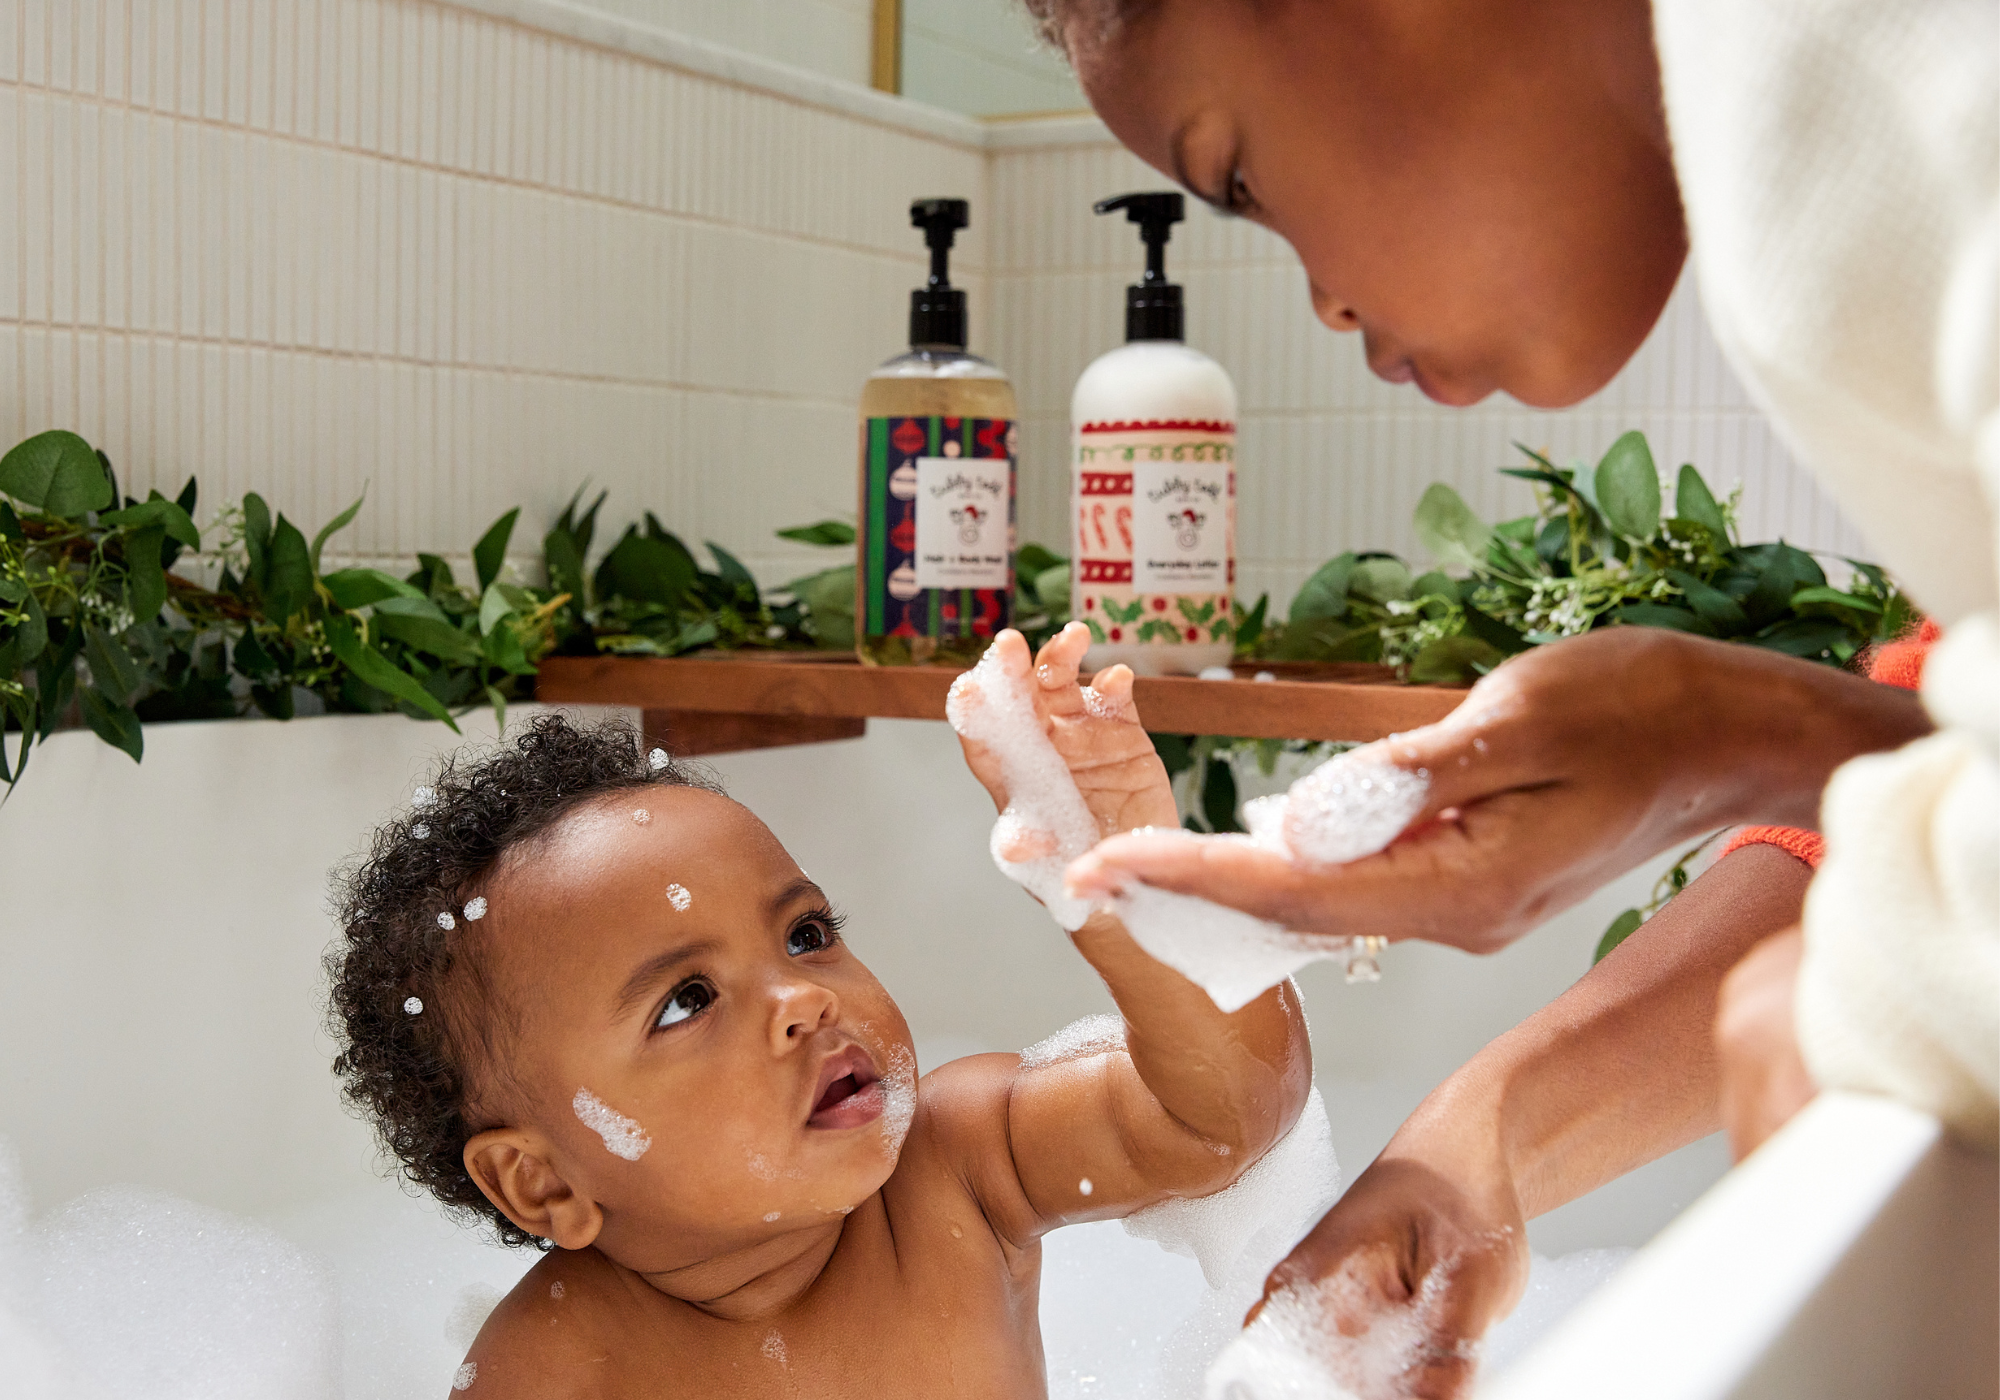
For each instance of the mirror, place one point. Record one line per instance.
(979, 57)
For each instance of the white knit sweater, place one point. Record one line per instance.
(1840, 162)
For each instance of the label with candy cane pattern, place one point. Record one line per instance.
(1154, 523)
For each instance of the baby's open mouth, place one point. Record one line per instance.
(849, 1095)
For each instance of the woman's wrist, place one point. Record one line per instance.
(1774, 728)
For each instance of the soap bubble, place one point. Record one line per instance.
(446, 921)
(475, 909)
(622, 1136)
(657, 760)
(996, 708)
(1351, 806)
(423, 799)
(421, 831)
(414, 1005)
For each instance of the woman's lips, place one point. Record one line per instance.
(847, 1092)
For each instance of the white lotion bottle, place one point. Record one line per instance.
(1153, 481)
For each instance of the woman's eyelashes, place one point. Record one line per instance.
(814, 932)
(689, 1000)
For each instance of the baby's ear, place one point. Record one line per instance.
(512, 1168)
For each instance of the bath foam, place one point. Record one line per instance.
(899, 1098)
(678, 896)
(1233, 956)
(774, 1348)
(657, 760)
(1092, 1035)
(622, 1136)
(1238, 1233)
(475, 909)
(1044, 810)
(475, 1303)
(1351, 806)
(1294, 1354)
(463, 1378)
(133, 1292)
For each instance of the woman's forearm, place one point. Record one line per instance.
(1621, 1068)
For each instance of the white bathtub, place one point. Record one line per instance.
(159, 1017)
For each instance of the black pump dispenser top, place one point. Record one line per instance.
(937, 309)
(1152, 308)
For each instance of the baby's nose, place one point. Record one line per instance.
(801, 1008)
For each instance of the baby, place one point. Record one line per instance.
(591, 1001)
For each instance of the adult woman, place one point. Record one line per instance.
(1493, 193)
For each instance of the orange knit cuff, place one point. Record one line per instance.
(1808, 846)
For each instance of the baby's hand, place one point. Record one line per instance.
(1095, 730)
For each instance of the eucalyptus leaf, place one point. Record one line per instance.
(145, 581)
(57, 472)
(1711, 603)
(1033, 560)
(491, 551)
(564, 561)
(1622, 928)
(1834, 597)
(1659, 615)
(361, 587)
(31, 634)
(427, 634)
(1447, 527)
(824, 532)
(494, 608)
(1628, 488)
(732, 570)
(829, 597)
(1325, 593)
(114, 722)
(159, 511)
(111, 666)
(1454, 660)
(288, 584)
(373, 668)
(647, 570)
(1694, 501)
(1385, 580)
(257, 538)
(1052, 587)
(333, 527)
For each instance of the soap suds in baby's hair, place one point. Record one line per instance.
(475, 909)
(622, 1137)
(1045, 813)
(657, 760)
(446, 921)
(678, 896)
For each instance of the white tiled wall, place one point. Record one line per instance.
(1330, 457)
(311, 246)
(981, 57)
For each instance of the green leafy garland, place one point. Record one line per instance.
(97, 628)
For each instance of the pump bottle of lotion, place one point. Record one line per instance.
(1153, 483)
(934, 572)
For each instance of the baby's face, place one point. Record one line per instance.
(702, 1053)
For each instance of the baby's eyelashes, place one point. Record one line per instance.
(689, 1000)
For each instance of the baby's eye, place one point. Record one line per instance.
(811, 935)
(688, 1001)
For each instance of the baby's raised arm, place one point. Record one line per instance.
(1193, 1095)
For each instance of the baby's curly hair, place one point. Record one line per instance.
(1072, 25)
(410, 1005)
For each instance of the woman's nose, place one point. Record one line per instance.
(1334, 314)
(799, 1009)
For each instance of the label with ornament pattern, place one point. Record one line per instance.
(937, 527)
(1154, 531)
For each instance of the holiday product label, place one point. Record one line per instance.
(1155, 532)
(1180, 527)
(961, 522)
(937, 526)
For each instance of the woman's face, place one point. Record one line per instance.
(1483, 189)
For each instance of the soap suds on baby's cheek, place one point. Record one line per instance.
(899, 1098)
(622, 1136)
(1045, 813)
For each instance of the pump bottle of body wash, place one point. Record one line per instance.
(1153, 481)
(934, 575)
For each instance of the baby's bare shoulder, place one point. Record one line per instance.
(545, 1340)
(958, 1150)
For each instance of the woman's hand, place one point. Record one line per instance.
(1569, 765)
(1095, 730)
(1406, 1273)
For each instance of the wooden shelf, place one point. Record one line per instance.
(726, 702)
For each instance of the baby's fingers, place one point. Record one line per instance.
(1056, 667)
(1113, 688)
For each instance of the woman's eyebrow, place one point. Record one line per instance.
(655, 970)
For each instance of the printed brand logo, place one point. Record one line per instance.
(963, 524)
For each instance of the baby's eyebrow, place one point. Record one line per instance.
(656, 969)
(801, 886)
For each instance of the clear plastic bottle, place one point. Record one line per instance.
(1153, 481)
(934, 563)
